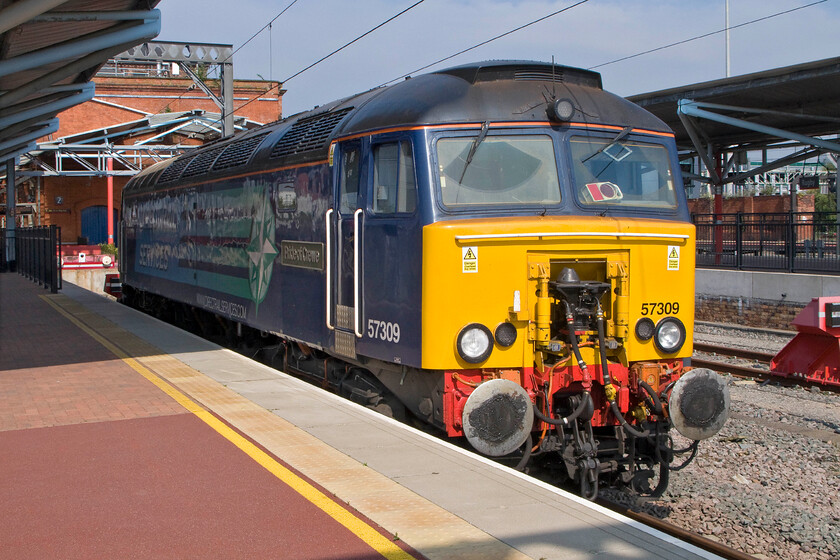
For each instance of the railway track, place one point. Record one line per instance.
(738, 370)
(684, 535)
(744, 371)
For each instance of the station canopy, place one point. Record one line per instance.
(794, 105)
(49, 51)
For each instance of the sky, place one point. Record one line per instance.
(586, 36)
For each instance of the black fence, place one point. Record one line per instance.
(783, 242)
(4, 263)
(36, 255)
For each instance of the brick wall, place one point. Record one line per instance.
(139, 96)
(120, 100)
(752, 204)
(77, 193)
(747, 312)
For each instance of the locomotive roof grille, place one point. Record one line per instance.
(538, 76)
(143, 181)
(309, 134)
(524, 71)
(173, 171)
(202, 162)
(238, 153)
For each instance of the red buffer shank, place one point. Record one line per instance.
(814, 353)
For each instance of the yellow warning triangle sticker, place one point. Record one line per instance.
(469, 255)
(673, 254)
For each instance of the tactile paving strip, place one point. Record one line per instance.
(426, 527)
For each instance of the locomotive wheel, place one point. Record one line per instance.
(391, 407)
(518, 460)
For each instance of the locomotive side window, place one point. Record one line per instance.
(628, 173)
(394, 185)
(349, 186)
(498, 170)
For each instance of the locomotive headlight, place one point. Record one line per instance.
(561, 110)
(669, 335)
(475, 342)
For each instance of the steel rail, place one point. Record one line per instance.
(734, 369)
(761, 374)
(734, 352)
(684, 535)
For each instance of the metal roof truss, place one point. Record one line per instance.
(49, 56)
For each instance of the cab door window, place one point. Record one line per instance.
(349, 183)
(394, 183)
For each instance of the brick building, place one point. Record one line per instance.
(139, 115)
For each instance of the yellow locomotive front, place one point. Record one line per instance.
(566, 333)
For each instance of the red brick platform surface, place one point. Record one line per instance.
(98, 462)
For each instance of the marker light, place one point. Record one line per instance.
(644, 328)
(475, 342)
(670, 335)
(505, 335)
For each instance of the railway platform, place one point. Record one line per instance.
(124, 437)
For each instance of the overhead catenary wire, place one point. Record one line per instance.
(703, 36)
(481, 44)
(280, 83)
(389, 20)
(436, 62)
(322, 59)
(263, 28)
(251, 38)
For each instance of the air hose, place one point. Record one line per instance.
(586, 401)
(570, 321)
(657, 404)
(608, 386)
(586, 398)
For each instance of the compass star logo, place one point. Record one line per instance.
(262, 250)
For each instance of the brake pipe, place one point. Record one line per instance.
(602, 349)
(585, 401)
(609, 388)
(657, 404)
(570, 321)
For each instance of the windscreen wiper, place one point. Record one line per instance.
(478, 140)
(624, 132)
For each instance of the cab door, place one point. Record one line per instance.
(392, 253)
(344, 247)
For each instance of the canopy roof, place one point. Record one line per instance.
(801, 99)
(50, 49)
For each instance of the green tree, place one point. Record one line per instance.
(825, 207)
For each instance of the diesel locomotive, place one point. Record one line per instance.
(499, 250)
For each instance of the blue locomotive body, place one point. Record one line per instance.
(251, 248)
(478, 248)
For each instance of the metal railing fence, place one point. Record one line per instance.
(37, 255)
(4, 263)
(781, 242)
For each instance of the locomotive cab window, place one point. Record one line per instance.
(497, 170)
(394, 184)
(627, 173)
(349, 184)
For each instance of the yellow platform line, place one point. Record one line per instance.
(355, 525)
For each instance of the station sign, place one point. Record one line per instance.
(809, 182)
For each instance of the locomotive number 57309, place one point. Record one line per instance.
(660, 308)
(383, 330)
